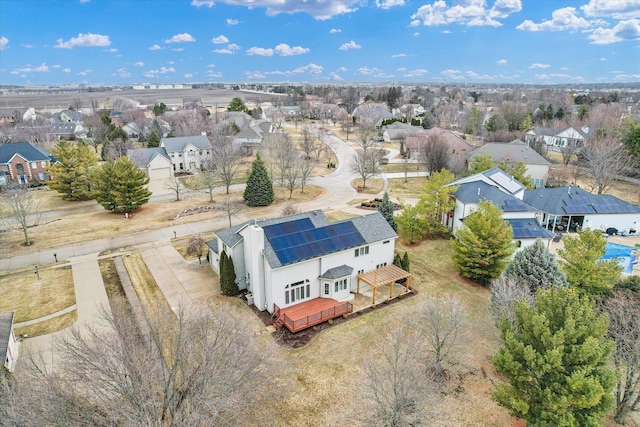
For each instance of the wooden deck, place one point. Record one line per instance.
(309, 313)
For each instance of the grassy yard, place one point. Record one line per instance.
(374, 185)
(58, 323)
(182, 243)
(151, 297)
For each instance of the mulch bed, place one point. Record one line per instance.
(284, 338)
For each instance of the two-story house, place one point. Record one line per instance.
(187, 153)
(23, 162)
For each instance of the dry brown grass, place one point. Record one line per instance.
(101, 224)
(48, 326)
(151, 297)
(181, 244)
(374, 185)
(401, 189)
(31, 297)
(327, 375)
(401, 167)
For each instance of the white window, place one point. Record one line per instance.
(384, 264)
(340, 285)
(297, 291)
(362, 251)
(34, 165)
(43, 164)
(191, 153)
(326, 288)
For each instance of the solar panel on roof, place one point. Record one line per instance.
(505, 181)
(576, 209)
(288, 227)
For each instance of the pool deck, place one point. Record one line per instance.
(626, 241)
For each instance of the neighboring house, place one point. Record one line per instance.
(504, 191)
(8, 343)
(573, 208)
(133, 130)
(327, 112)
(172, 104)
(249, 139)
(23, 162)
(558, 138)
(373, 112)
(70, 116)
(398, 131)
(303, 258)
(458, 147)
(515, 152)
(411, 110)
(187, 153)
(154, 161)
(291, 112)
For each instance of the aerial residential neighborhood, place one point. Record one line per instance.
(281, 214)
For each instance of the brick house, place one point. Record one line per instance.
(23, 163)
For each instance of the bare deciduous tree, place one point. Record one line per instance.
(176, 185)
(309, 142)
(225, 156)
(365, 165)
(289, 210)
(606, 158)
(506, 291)
(195, 368)
(441, 323)
(567, 151)
(191, 122)
(434, 153)
(624, 329)
(397, 385)
(196, 246)
(365, 133)
(231, 206)
(19, 209)
(207, 177)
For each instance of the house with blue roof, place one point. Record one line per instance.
(24, 163)
(303, 259)
(507, 193)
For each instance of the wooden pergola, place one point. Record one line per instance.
(384, 276)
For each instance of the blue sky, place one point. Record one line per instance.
(463, 41)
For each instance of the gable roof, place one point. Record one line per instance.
(513, 152)
(6, 323)
(26, 150)
(173, 145)
(494, 176)
(576, 201)
(337, 272)
(472, 192)
(141, 157)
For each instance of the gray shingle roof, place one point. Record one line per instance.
(576, 201)
(141, 157)
(513, 152)
(337, 272)
(180, 143)
(6, 323)
(28, 151)
(472, 192)
(528, 228)
(373, 227)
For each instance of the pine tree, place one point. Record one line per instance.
(483, 244)
(259, 189)
(405, 263)
(119, 186)
(153, 140)
(480, 163)
(71, 171)
(386, 208)
(581, 262)
(536, 267)
(436, 201)
(555, 359)
(228, 285)
(397, 260)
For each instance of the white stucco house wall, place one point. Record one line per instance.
(293, 259)
(187, 153)
(8, 342)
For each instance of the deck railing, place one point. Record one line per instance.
(315, 318)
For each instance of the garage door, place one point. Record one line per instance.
(159, 173)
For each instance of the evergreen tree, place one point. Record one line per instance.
(555, 359)
(483, 244)
(119, 186)
(436, 202)
(386, 208)
(71, 171)
(259, 189)
(405, 263)
(237, 104)
(397, 260)
(536, 267)
(580, 259)
(480, 163)
(153, 140)
(228, 285)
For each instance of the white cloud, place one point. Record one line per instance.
(122, 73)
(231, 22)
(230, 49)
(309, 69)
(220, 40)
(342, 70)
(627, 76)
(42, 68)
(350, 45)
(335, 76)
(618, 9)
(157, 72)
(66, 70)
(181, 38)
(56, 66)
(84, 73)
(366, 71)
(207, 3)
(561, 20)
(84, 40)
(214, 74)
(177, 49)
(501, 62)
(469, 12)
(285, 50)
(251, 75)
(139, 64)
(416, 73)
(112, 50)
(4, 42)
(188, 76)
(537, 65)
(155, 47)
(388, 4)
(26, 46)
(399, 55)
(334, 31)
(453, 74)
(260, 51)
(624, 30)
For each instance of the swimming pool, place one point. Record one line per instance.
(624, 255)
